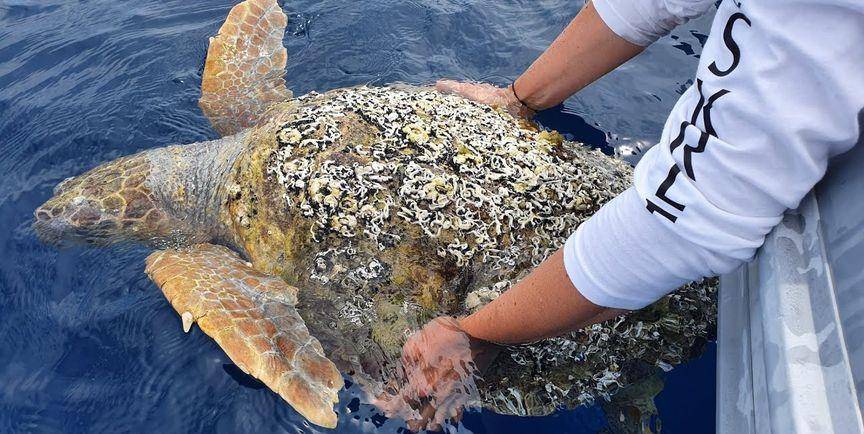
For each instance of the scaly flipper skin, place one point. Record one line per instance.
(251, 316)
(243, 74)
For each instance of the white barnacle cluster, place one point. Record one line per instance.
(464, 174)
(483, 295)
(347, 199)
(357, 310)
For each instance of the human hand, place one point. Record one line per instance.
(440, 364)
(485, 93)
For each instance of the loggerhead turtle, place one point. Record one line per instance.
(321, 230)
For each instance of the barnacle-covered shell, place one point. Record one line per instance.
(390, 206)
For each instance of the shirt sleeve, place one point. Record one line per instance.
(769, 107)
(642, 22)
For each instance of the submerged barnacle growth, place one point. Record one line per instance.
(602, 359)
(388, 206)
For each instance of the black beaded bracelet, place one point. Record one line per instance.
(513, 89)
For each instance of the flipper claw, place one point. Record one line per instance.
(188, 319)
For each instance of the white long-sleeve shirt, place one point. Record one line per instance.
(778, 92)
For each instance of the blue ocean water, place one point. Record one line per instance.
(88, 343)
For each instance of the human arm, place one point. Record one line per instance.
(542, 305)
(602, 36)
(584, 51)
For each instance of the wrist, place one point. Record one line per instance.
(483, 352)
(508, 101)
(466, 324)
(529, 94)
(515, 94)
(474, 328)
(467, 327)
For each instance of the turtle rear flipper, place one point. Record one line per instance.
(243, 74)
(251, 316)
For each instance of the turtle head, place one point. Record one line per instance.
(165, 197)
(110, 203)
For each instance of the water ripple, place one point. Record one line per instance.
(87, 342)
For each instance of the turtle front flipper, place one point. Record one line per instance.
(243, 74)
(251, 316)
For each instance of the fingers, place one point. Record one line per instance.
(459, 413)
(462, 88)
(396, 406)
(433, 416)
(429, 405)
(465, 90)
(483, 93)
(447, 404)
(436, 377)
(445, 86)
(488, 94)
(426, 414)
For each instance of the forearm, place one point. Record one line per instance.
(585, 51)
(544, 304)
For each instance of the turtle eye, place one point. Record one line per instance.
(42, 214)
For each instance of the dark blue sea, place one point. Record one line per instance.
(89, 345)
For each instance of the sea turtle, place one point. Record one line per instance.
(321, 230)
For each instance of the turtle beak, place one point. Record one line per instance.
(50, 224)
(48, 229)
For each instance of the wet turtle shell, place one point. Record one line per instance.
(390, 206)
